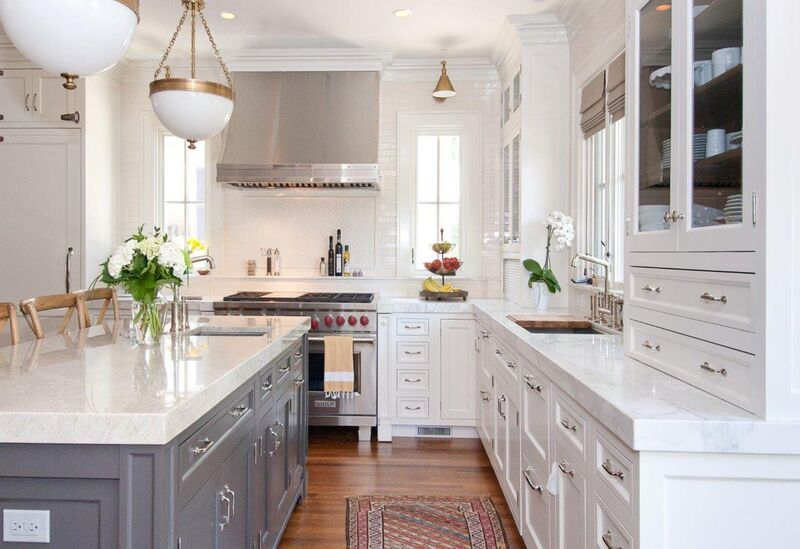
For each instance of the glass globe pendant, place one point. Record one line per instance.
(192, 109)
(72, 38)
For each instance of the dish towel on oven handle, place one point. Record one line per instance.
(339, 380)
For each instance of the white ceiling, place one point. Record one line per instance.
(457, 28)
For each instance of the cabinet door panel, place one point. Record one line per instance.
(457, 369)
(535, 412)
(233, 484)
(278, 468)
(513, 469)
(570, 502)
(13, 96)
(49, 99)
(653, 192)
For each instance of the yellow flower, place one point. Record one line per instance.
(195, 245)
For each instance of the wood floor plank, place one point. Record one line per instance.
(339, 466)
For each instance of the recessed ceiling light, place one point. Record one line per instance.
(402, 13)
(663, 7)
(227, 15)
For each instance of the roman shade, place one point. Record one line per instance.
(615, 96)
(593, 105)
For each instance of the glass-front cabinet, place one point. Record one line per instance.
(694, 98)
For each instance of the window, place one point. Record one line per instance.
(183, 189)
(601, 194)
(438, 187)
(438, 194)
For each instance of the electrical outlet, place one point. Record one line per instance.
(26, 526)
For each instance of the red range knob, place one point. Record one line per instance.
(364, 320)
(352, 320)
(340, 320)
(328, 320)
(315, 323)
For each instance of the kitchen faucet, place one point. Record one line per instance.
(597, 261)
(200, 258)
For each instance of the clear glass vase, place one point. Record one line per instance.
(148, 321)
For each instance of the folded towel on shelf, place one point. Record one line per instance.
(339, 381)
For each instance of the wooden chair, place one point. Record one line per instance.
(108, 296)
(71, 302)
(8, 313)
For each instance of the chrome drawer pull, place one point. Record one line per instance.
(413, 409)
(233, 500)
(648, 345)
(298, 354)
(511, 365)
(413, 353)
(709, 297)
(300, 381)
(498, 352)
(535, 487)
(239, 411)
(275, 442)
(569, 425)
(566, 469)
(417, 327)
(608, 468)
(500, 400)
(537, 387)
(203, 446)
(412, 380)
(266, 386)
(284, 369)
(484, 396)
(608, 540)
(226, 516)
(648, 288)
(706, 366)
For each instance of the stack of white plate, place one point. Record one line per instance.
(666, 158)
(733, 209)
(699, 149)
(703, 216)
(651, 218)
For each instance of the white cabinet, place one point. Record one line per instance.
(571, 501)
(457, 371)
(40, 211)
(507, 442)
(29, 95)
(696, 85)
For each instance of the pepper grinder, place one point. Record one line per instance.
(268, 254)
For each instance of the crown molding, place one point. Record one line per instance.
(544, 28)
(428, 69)
(577, 14)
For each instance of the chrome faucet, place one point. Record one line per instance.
(597, 261)
(200, 258)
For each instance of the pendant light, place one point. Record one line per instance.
(444, 88)
(72, 38)
(192, 109)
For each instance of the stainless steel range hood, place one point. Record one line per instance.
(308, 130)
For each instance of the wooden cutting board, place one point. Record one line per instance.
(550, 321)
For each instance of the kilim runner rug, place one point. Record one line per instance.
(394, 522)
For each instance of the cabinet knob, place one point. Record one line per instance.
(72, 117)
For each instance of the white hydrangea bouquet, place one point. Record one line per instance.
(143, 265)
(560, 235)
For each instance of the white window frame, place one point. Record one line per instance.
(585, 222)
(467, 125)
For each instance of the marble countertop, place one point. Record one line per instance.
(96, 386)
(647, 409)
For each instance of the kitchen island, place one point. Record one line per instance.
(197, 442)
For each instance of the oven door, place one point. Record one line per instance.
(344, 411)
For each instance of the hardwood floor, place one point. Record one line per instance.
(339, 466)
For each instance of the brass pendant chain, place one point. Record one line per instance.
(216, 50)
(162, 64)
(194, 11)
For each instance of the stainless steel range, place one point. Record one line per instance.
(352, 314)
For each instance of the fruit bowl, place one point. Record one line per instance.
(443, 247)
(444, 268)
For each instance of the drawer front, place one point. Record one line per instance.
(727, 299)
(506, 362)
(723, 372)
(412, 352)
(412, 327)
(615, 469)
(205, 445)
(609, 532)
(571, 424)
(266, 388)
(283, 371)
(298, 358)
(412, 381)
(535, 508)
(412, 408)
(535, 419)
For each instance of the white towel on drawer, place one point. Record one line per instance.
(339, 381)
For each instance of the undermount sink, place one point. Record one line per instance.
(555, 324)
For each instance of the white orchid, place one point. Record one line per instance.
(560, 235)
(562, 230)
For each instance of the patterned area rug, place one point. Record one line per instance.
(394, 522)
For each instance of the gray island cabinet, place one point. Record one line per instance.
(231, 412)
